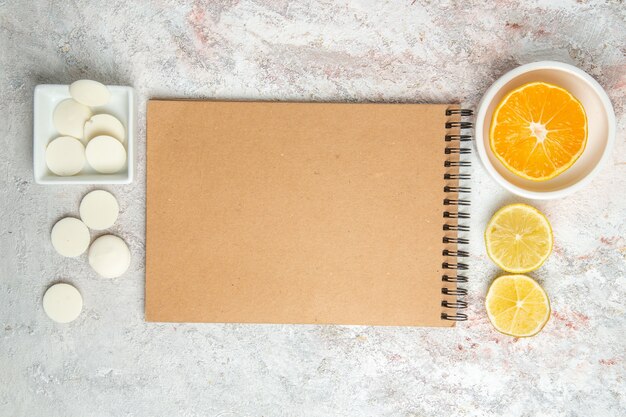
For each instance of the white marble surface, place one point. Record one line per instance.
(111, 363)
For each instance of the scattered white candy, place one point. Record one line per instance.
(62, 303)
(109, 256)
(104, 124)
(65, 156)
(99, 210)
(90, 93)
(70, 237)
(106, 154)
(69, 118)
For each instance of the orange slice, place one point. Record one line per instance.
(538, 131)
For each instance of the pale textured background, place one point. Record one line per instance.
(111, 363)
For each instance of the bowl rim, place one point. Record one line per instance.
(497, 86)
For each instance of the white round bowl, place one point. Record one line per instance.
(601, 128)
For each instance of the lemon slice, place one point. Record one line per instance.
(518, 238)
(517, 305)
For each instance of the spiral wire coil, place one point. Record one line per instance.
(453, 264)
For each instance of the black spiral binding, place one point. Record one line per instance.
(456, 202)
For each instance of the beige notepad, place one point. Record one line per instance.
(298, 213)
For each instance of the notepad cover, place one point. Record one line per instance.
(295, 213)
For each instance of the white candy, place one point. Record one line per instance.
(106, 154)
(65, 156)
(62, 303)
(104, 124)
(90, 93)
(99, 210)
(70, 237)
(69, 118)
(109, 256)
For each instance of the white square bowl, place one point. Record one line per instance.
(121, 105)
